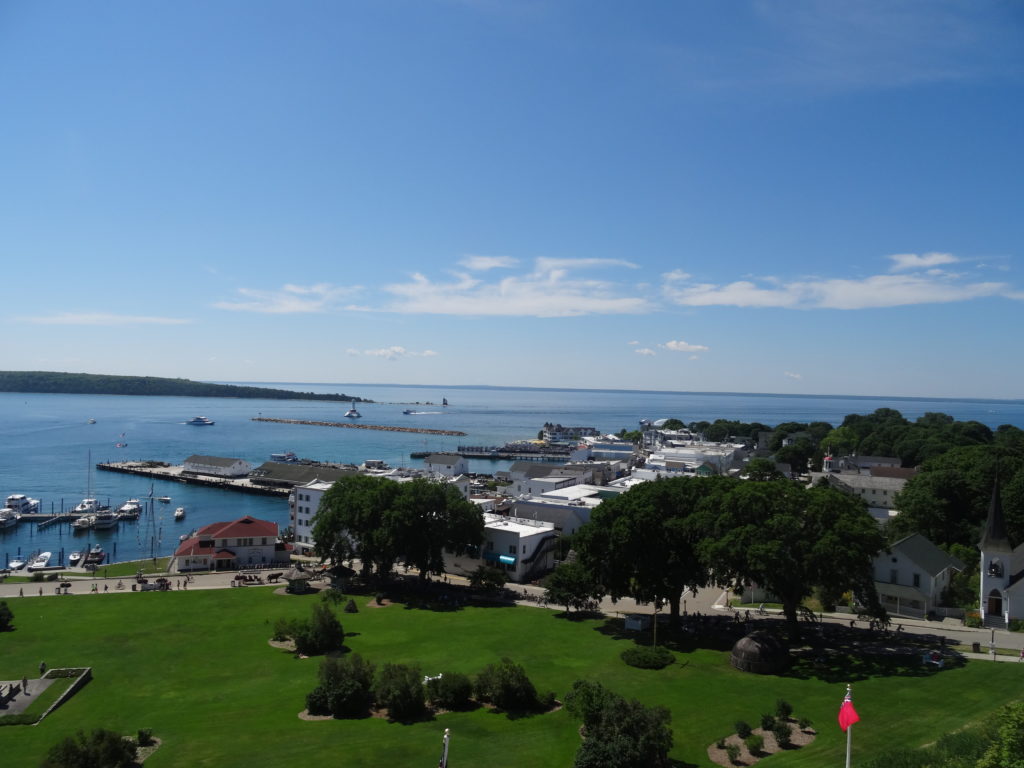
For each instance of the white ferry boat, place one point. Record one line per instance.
(200, 421)
(130, 510)
(352, 413)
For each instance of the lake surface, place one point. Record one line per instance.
(47, 445)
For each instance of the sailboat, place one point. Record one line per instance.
(352, 413)
(444, 402)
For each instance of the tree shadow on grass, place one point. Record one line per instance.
(687, 639)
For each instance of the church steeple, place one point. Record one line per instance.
(994, 537)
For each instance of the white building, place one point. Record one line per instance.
(565, 508)
(912, 574)
(524, 549)
(232, 545)
(447, 464)
(217, 466)
(303, 503)
(1002, 570)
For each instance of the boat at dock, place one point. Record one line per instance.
(164, 499)
(104, 520)
(8, 518)
(130, 510)
(179, 513)
(286, 458)
(88, 507)
(200, 421)
(74, 559)
(40, 561)
(96, 555)
(16, 564)
(21, 504)
(82, 523)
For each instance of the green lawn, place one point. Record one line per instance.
(196, 668)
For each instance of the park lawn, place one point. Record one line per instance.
(196, 667)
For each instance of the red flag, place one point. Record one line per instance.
(847, 714)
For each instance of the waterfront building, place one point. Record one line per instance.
(216, 466)
(556, 433)
(447, 464)
(524, 549)
(228, 546)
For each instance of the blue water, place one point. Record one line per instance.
(46, 443)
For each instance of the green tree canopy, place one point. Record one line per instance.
(573, 585)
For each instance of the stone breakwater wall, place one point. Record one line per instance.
(378, 427)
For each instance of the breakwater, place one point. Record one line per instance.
(162, 471)
(378, 427)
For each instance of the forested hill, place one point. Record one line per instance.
(97, 384)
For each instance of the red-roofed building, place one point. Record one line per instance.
(242, 543)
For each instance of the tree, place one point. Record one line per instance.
(487, 578)
(789, 539)
(399, 687)
(100, 749)
(506, 685)
(761, 469)
(345, 687)
(618, 733)
(6, 616)
(573, 585)
(643, 543)
(356, 518)
(433, 517)
(450, 690)
(1007, 750)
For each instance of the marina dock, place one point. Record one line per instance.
(176, 473)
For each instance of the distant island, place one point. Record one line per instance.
(49, 382)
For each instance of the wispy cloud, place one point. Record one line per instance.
(290, 299)
(933, 286)
(683, 346)
(903, 261)
(552, 289)
(645, 351)
(792, 375)
(484, 263)
(391, 353)
(102, 318)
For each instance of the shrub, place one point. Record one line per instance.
(345, 686)
(399, 687)
(51, 576)
(317, 701)
(743, 729)
(6, 616)
(805, 723)
(733, 751)
(100, 748)
(754, 743)
(720, 743)
(783, 733)
(645, 657)
(451, 690)
(332, 596)
(767, 722)
(144, 737)
(783, 709)
(36, 577)
(618, 732)
(972, 619)
(506, 685)
(487, 578)
(350, 606)
(1016, 625)
(284, 629)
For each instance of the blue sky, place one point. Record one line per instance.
(798, 197)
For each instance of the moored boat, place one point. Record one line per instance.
(130, 510)
(16, 564)
(40, 561)
(83, 523)
(87, 507)
(164, 499)
(352, 413)
(288, 457)
(8, 518)
(22, 504)
(179, 513)
(74, 558)
(105, 519)
(96, 555)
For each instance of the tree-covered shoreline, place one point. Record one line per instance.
(51, 382)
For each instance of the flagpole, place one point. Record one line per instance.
(444, 749)
(849, 728)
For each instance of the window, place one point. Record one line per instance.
(917, 579)
(511, 549)
(894, 576)
(490, 546)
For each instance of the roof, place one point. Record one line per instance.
(243, 527)
(533, 469)
(213, 461)
(275, 472)
(993, 535)
(902, 591)
(447, 459)
(191, 548)
(902, 472)
(926, 555)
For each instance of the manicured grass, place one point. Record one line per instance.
(196, 668)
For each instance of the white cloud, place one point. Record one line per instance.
(483, 263)
(645, 351)
(634, 343)
(102, 318)
(902, 261)
(675, 275)
(836, 293)
(547, 291)
(792, 375)
(683, 346)
(391, 353)
(290, 299)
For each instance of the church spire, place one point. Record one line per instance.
(994, 536)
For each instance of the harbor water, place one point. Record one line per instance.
(48, 445)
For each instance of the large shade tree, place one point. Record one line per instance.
(643, 543)
(789, 539)
(433, 517)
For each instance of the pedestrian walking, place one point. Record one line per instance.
(1021, 657)
(21, 591)
(42, 668)
(24, 684)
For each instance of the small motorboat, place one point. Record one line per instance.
(40, 561)
(83, 523)
(74, 558)
(130, 510)
(9, 518)
(179, 513)
(408, 412)
(16, 564)
(164, 499)
(352, 413)
(96, 555)
(200, 421)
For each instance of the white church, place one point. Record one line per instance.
(1002, 569)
